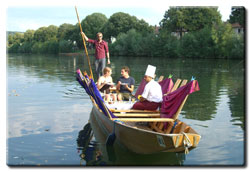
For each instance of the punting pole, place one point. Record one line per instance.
(85, 48)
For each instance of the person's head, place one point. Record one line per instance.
(147, 78)
(107, 71)
(125, 71)
(99, 36)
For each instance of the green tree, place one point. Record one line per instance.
(10, 40)
(199, 18)
(46, 33)
(198, 44)
(133, 43)
(122, 22)
(174, 20)
(182, 19)
(237, 47)
(237, 16)
(17, 38)
(65, 46)
(221, 34)
(15, 41)
(65, 32)
(94, 23)
(143, 27)
(29, 35)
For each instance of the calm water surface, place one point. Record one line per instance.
(48, 112)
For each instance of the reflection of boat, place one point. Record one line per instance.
(138, 136)
(89, 150)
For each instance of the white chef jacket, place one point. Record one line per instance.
(152, 92)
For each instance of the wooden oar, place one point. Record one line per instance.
(85, 48)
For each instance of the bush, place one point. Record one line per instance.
(133, 43)
(65, 46)
(14, 48)
(51, 47)
(37, 48)
(25, 47)
(235, 47)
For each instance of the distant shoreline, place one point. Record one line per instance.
(72, 54)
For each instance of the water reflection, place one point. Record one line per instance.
(90, 152)
(44, 101)
(213, 76)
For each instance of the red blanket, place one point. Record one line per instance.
(172, 101)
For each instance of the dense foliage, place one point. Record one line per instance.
(183, 32)
(238, 16)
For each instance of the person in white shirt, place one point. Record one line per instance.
(104, 83)
(151, 97)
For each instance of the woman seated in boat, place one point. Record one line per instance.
(151, 97)
(104, 84)
(125, 85)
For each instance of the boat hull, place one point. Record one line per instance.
(140, 139)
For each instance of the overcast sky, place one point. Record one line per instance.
(21, 18)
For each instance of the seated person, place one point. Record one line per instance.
(125, 85)
(151, 97)
(104, 83)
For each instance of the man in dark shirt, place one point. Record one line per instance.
(125, 84)
(101, 47)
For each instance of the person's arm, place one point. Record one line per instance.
(131, 89)
(145, 93)
(118, 85)
(107, 51)
(108, 57)
(99, 85)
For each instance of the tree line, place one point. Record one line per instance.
(183, 32)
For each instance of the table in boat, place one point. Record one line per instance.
(121, 105)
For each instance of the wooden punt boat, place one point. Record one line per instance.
(140, 138)
(139, 134)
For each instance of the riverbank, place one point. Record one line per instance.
(72, 54)
(78, 53)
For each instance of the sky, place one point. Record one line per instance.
(22, 18)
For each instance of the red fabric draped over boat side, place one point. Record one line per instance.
(166, 86)
(141, 87)
(172, 101)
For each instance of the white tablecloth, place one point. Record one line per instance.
(121, 105)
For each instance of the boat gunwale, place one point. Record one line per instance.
(144, 130)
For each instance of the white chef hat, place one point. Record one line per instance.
(150, 71)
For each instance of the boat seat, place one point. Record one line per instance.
(178, 128)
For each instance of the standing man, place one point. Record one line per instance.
(101, 50)
(125, 85)
(151, 97)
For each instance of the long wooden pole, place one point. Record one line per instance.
(85, 48)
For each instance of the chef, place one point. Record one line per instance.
(151, 97)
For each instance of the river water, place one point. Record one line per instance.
(48, 112)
